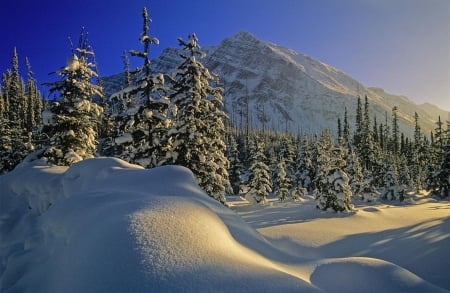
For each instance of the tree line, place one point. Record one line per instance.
(159, 119)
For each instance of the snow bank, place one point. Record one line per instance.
(103, 225)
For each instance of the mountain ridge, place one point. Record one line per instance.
(287, 90)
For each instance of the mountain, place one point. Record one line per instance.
(288, 90)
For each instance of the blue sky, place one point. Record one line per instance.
(402, 46)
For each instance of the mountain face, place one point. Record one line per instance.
(286, 90)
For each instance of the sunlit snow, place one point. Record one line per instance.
(104, 225)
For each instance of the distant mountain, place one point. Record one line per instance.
(288, 90)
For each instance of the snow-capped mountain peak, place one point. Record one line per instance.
(288, 90)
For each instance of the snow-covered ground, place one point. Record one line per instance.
(103, 225)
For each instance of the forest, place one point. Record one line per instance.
(178, 118)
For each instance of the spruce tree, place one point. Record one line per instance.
(333, 189)
(395, 147)
(287, 153)
(74, 121)
(366, 146)
(15, 137)
(442, 175)
(283, 182)
(358, 124)
(418, 157)
(15, 92)
(322, 160)
(355, 172)
(346, 130)
(5, 88)
(392, 188)
(34, 101)
(198, 132)
(339, 133)
(236, 168)
(439, 183)
(437, 151)
(304, 166)
(15, 145)
(259, 183)
(144, 125)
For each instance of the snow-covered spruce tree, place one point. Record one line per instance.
(72, 121)
(392, 189)
(273, 158)
(333, 189)
(236, 168)
(15, 136)
(304, 167)
(15, 144)
(395, 144)
(321, 157)
(34, 101)
(143, 124)
(287, 152)
(358, 124)
(259, 182)
(198, 132)
(437, 151)
(335, 192)
(15, 93)
(355, 171)
(442, 175)
(283, 182)
(418, 159)
(366, 144)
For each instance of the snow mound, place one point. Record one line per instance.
(358, 274)
(103, 225)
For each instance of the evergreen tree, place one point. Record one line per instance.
(355, 172)
(376, 138)
(15, 93)
(416, 161)
(366, 146)
(395, 147)
(436, 154)
(339, 133)
(304, 165)
(126, 63)
(404, 173)
(15, 145)
(392, 188)
(283, 182)
(386, 134)
(5, 88)
(321, 157)
(286, 152)
(442, 175)
(259, 182)
(346, 130)
(15, 136)
(199, 130)
(358, 124)
(73, 120)
(236, 168)
(440, 178)
(333, 189)
(144, 125)
(34, 101)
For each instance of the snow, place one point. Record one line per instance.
(103, 225)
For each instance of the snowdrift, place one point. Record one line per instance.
(103, 225)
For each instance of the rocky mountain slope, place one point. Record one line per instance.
(287, 90)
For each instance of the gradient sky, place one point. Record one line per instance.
(402, 46)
